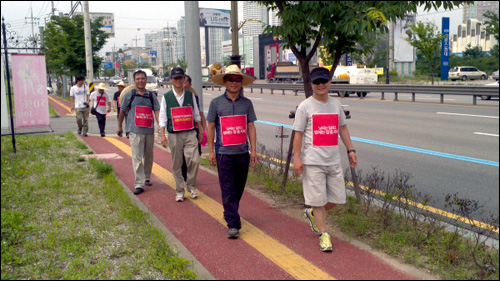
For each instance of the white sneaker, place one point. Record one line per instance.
(180, 197)
(194, 194)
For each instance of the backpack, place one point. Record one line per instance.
(134, 94)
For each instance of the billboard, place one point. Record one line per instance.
(403, 51)
(445, 49)
(108, 21)
(215, 17)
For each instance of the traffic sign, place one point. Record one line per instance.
(108, 65)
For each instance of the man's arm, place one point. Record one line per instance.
(346, 139)
(252, 135)
(119, 131)
(298, 167)
(211, 145)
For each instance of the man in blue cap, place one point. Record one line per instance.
(178, 114)
(319, 121)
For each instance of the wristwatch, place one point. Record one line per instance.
(352, 150)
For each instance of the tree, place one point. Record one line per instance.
(492, 29)
(474, 52)
(337, 25)
(428, 41)
(64, 45)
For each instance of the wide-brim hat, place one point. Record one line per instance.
(127, 89)
(101, 86)
(234, 70)
(121, 84)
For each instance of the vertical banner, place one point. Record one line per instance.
(5, 112)
(30, 91)
(445, 49)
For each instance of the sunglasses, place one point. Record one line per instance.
(238, 80)
(320, 81)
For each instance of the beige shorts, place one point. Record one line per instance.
(323, 184)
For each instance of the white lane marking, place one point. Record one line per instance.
(470, 115)
(485, 134)
(255, 98)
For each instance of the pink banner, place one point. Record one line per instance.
(325, 129)
(30, 91)
(233, 129)
(182, 118)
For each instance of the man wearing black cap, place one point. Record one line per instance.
(178, 114)
(319, 121)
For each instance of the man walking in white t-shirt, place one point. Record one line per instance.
(319, 121)
(79, 96)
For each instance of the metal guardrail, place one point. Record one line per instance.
(343, 89)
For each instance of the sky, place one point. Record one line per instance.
(133, 18)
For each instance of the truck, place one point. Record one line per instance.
(354, 75)
(283, 72)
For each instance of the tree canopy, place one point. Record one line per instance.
(64, 45)
(337, 25)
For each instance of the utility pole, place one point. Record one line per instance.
(193, 40)
(235, 58)
(88, 42)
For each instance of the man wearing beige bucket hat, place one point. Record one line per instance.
(100, 99)
(231, 116)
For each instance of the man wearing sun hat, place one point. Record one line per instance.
(231, 120)
(116, 97)
(319, 121)
(101, 99)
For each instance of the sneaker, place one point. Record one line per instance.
(180, 197)
(103, 135)
(138, 191)
(194, 194)
(79, 131)
(309, 215)
(325, 243)
(148, 183)
(232, 233)
(85, 134)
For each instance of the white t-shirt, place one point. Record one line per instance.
(319, 153)
(102, 106)
(78, 94)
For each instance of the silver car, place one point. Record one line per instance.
(466, 72)
(494, 76)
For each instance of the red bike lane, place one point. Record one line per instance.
(203, 234)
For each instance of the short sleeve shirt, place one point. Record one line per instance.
(80, 94)
(224, 106)
(138, 101)
(317, 155)
(103, 100)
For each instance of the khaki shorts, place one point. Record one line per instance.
(323, 184)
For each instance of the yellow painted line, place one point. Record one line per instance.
(63, 105)
(273, 159)
(433, 210)
(288, 260)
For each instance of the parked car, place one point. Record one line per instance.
(494, 75)
(114, 80)
(485, 97)
(466, 72)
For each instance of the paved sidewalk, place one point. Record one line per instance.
(271, 246)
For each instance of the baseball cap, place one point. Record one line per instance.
(320, 73)
(177, 72)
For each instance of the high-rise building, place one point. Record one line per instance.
(477, 10)
(256, 17)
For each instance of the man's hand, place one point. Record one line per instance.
(211, 158)
(298, 167)
(254, 159)
(119, 131)
(164, 140)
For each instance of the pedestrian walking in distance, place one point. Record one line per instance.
(80, 97)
